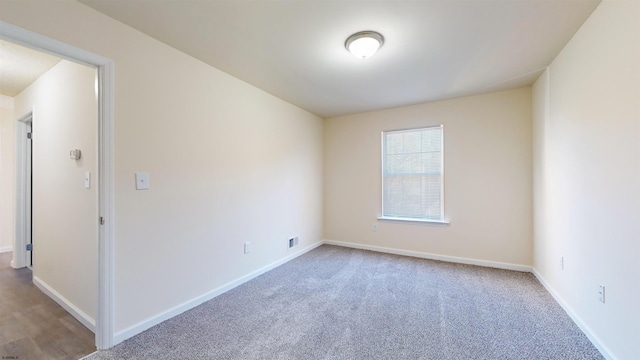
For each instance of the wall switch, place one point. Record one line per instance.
(247, 247)
(601, 293)
(87, 180)
(374, 227)
(561, 262)
(142, 181)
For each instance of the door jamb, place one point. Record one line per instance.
(104, 334)
(19, 259)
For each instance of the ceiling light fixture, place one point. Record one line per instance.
(364, 44)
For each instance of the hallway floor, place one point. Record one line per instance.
(32, 326)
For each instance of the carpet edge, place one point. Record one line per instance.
(595, 340)
(430, 256)
(190, 304)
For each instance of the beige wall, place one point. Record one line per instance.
(228, 163)
(7, 174)
(487, 178)
(587, 185)
(65, 215)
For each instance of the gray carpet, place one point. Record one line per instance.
(339, 303)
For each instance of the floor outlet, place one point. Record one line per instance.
(247, 247)
(601, 293)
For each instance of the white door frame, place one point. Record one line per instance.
(105, 95)
(23, 196)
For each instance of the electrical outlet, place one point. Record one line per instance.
(247, 247)
(374, 227)
(601, 293)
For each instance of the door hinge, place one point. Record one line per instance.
(101, 220)
(29, 136)
(29, 247)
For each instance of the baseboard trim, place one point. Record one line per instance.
(86, 357)
(80, 315)
(6, 249)
(417, 254)
(155, 320)
(595, 340)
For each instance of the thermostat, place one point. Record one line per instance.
(75, 154)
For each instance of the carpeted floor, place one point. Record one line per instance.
(339, 303)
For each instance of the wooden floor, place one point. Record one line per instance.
(32, 326)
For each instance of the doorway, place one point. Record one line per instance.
(23, 192)
(60, 208)
(24, 187)
(104, 335)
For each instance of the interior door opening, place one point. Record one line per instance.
(29, 194)
(104, 92)
(23, 190)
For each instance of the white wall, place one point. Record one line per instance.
(587, 177)
(65, 216)
(7, 174)
(488, 172)
(228, 163)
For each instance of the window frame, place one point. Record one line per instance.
(443, 219)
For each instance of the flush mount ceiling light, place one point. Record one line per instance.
(364, 44)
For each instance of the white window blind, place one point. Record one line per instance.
(412, 174)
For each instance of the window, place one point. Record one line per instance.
(412, 173)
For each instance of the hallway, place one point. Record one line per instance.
(32, 326)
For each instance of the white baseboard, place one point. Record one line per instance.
(144, 325)
(604, 350)
(417, 254)
(88, 356)
(80, 315)
(155, 320)
(6, 249)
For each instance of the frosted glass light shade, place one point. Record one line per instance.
(364, 44)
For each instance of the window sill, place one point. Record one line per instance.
(421, 221)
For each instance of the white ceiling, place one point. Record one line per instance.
(19, 67)
(434, 49)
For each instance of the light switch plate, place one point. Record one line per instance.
(142, 181)
(87, 180)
